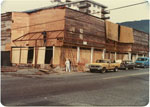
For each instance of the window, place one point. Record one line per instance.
(72, 29)
(69, 5)
(93, 11)
(141, 59)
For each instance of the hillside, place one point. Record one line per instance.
(142, 25)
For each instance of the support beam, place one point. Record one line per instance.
(53, 54)
(137, 56)
(103, 54)
(129, 56)
(78, 54)
(115, 56)
(92, 50)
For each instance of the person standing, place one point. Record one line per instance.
(67, 63)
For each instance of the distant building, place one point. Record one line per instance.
(85, 6)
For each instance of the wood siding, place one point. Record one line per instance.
(82, 29)
(6, 31)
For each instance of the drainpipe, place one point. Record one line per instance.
(129, 55)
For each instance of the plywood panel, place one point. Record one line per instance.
(24, 55)
(107, 55)
(46, 20)
(19, 26)
(85, 56)
(111, 31)
(97, 55)
(126, 35)
(125, 57)
(70, 53)
(41, 55)
(56, 56)
(15, 55)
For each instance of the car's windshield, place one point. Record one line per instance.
(141, 59)
(101, 61)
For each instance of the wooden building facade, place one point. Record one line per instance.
(48, 36)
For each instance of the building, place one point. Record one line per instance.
(5, 38)
(46, 37)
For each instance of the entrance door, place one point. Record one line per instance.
(48, 55)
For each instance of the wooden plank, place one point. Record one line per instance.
(24, 55)
(41, 55)
(126, 35)
(97, 55)
(57, 54)
(85, 56)
(15, 55)
(111, 31)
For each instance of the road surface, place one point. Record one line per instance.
(123, 88)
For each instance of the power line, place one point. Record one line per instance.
(127, 6)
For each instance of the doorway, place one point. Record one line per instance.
(48, 55)
(30, 55)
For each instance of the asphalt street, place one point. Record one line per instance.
(123, 88)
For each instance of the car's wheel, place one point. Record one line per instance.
(133, 67)
(91, 70)
(103, 70)
(116, 69)
(126, 68)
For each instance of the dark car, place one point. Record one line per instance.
(127, 64)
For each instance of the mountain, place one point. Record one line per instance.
(142, 25)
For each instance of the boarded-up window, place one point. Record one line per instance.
(111, 31)
(41, 55)
(24, 54)
(81, 34)
(85, 55)
(72, 29)
(15, 55)
(97, 55)
(126, 35)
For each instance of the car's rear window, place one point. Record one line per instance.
(101, 61)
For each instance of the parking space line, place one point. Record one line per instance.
(126, 75)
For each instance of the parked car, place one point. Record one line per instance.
(103, 65)
(127, 64)
(142, 62)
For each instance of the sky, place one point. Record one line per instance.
(135, 13)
